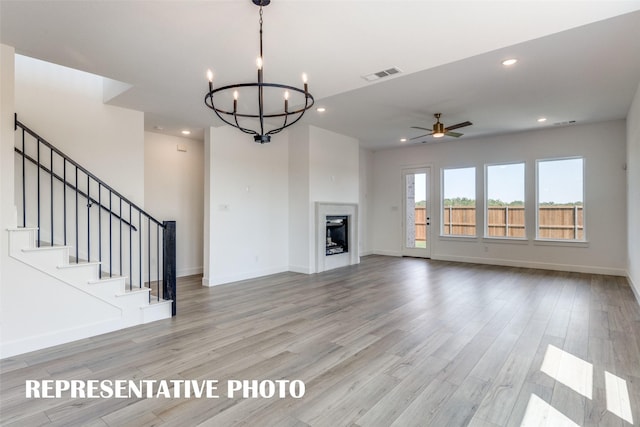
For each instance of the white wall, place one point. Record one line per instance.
(7, 208)
(601, 144)
(366, 200)
(333, 167)
(301, 230)
(7, 109)
(173, 190)
(246, 206)
(65, 106)
(633, 194)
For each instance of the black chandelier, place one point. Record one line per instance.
(231, 117)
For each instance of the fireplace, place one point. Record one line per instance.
(337, 234)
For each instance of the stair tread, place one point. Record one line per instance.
(44, 248)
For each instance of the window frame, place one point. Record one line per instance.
(552, 241)
(442, 206)
(486, 200)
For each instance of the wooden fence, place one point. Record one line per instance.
(555, 222)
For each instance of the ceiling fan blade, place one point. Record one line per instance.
(418, 137)
(454, 134)
(459, 125)
(417, 127)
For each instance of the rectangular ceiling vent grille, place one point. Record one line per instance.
(381, 74)
(565, 123)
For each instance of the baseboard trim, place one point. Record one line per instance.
(38, 342)
(537, 265)
(230, 278)
(301, 269)
(386, 253)
(189, 271)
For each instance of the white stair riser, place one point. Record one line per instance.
(48, 258)
(157, 311)
(84, 276)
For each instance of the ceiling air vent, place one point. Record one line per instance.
(381, 74)
(568, 122)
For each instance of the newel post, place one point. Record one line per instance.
(169, 263)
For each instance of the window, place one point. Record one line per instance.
(504, 216)
(459, 202)
(560, 199)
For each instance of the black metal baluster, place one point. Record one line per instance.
(100, 229)
(110, 235)
(77, 252)
(130, 250)
(24, 186)
(51, 190)
(38, 190)
(140, 245)
(158, 260)
(64, 198)
(120, 239)
(149, 252)
(88, 219)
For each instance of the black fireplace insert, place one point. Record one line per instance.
(337, 234)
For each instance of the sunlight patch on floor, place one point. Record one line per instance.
(569, 370)
(540, 414)
(618, 397)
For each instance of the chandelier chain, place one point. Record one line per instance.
(260, 31)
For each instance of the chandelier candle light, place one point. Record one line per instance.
(231, 117)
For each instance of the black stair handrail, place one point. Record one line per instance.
(91, 200)
(47, 144)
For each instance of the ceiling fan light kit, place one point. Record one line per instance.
(232, 116)
(439, 130)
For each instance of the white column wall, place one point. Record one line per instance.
(633, 194)
(301, 230)
(324, 167)
(247, 185)
(366, 199)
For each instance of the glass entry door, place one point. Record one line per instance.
(416, 213)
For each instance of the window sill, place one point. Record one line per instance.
(567, 243)
(460, 238)
(507, 240)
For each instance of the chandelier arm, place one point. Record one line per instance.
(217, 111)
(301, 111)
(211, 104)
(245, 130)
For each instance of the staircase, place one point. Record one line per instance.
(135, 304)
(85, 235)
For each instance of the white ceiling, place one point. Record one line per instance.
(578, 60)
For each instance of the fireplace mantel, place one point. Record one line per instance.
(324, 209)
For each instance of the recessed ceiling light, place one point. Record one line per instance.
(542, 119)
(403, 139)
(321, 109)
(509, 61)
(186, 132)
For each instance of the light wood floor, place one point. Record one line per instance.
(390, 342)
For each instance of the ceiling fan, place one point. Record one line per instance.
(439, 130)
